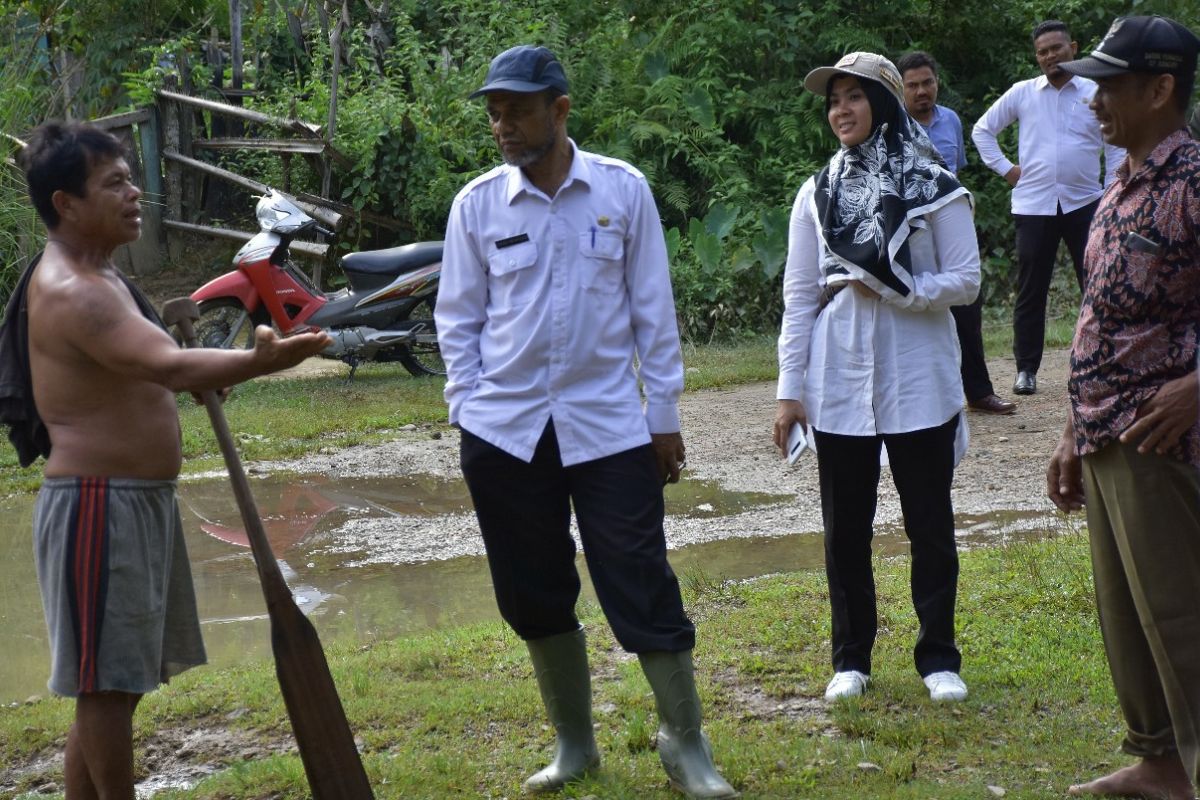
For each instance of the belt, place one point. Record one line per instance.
(828, 293)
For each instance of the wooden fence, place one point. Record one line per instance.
(167, 145)
(139, 133)
(173, 146)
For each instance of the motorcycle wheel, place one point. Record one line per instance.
(226, 324)
(423, 357)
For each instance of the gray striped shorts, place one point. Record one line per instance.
(116, 585)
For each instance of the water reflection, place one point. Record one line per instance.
(372, 601)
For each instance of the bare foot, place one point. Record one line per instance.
(1160, 778)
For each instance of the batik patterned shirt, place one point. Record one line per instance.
(1139, 325)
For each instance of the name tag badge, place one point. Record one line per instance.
(512, 240)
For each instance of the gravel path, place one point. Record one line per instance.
(727, 433)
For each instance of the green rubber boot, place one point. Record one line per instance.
(682, 747)
(560, 664)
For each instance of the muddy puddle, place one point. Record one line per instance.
(373, 558)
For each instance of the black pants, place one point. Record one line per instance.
(968, 321)
(1037, 245)
(524, 513)
(922, 464)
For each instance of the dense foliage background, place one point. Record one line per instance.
(702, 96)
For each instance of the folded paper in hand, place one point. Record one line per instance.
(797, 442)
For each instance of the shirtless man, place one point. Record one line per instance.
(116, 585)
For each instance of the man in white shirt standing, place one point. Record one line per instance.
(555, 279)
(1056, 185)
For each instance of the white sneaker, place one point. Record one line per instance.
(851, 683)
(946, 687)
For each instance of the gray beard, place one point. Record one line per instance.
(536, 154)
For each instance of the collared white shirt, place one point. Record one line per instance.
(863, 366)
(544, 303)
(1058, 145)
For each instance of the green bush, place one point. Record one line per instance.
(704, 97)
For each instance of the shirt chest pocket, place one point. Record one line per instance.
(949, 152)
(512, 279)
(1081, 120)
(602, 261)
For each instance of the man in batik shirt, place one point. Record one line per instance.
(1131, 449)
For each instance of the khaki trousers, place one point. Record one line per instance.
(1143, 514)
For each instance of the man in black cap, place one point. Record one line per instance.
(1131, 448)
(554, 286)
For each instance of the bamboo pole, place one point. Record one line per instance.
(331, 219)
(306, 128)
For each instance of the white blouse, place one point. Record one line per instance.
(862, 366)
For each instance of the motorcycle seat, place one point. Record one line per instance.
(393, 260)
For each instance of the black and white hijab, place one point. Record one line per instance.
(871, 197)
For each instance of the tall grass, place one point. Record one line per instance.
(23, 98)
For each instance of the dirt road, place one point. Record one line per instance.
(728, 436)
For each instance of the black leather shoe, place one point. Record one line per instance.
(1026, 383)
(991, 404)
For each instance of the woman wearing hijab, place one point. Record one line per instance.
(881, 245)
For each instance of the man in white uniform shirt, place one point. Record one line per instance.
(555, 279)
(1056, 183)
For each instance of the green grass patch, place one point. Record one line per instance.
(455, 713)
(713, 366)
(280, 419)
(998, 333)
(288, 418)
(1062, 311)
(274, 419)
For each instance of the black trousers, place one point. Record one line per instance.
(922, 464)
(1037, 245)
(968, 321)
(524, 513)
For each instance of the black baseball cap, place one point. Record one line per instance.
(524, 68)
(1151, 44)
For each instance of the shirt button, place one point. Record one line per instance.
(512, 262)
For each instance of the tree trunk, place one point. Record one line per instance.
(70, 81)
(235, 46)
(236, 60)
(323, 19)
(173, 174)
(378, 34)
(335, 51)
(295, 29)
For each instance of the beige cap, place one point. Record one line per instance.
(864, 65)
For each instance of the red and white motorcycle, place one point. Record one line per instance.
(385, 313)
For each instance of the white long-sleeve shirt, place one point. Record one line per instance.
(1058, 145)
(544, 303)
(863, 366)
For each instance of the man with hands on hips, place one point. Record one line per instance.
(1056, 181)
